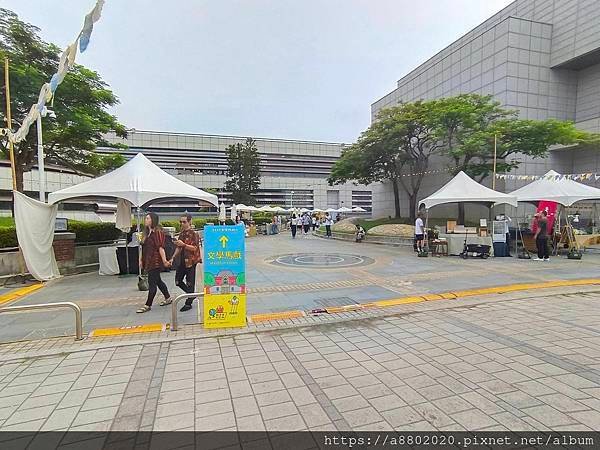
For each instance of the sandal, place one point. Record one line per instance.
(143, 309)
(166, 301)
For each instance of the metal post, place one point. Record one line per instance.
(11, 149)
(73, 306)
(40, 156)
(177, 300)
(495, 150)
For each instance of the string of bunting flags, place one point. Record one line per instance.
(66, 62)
(572, 176)
(429, 172)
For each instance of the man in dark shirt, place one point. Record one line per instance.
(188, 251)
(541, 237)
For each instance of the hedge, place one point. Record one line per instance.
(93, 231)
(8, 237)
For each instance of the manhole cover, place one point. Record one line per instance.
(322, 261)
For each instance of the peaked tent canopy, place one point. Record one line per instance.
(552, 187)
(463, 189)
(139, 180)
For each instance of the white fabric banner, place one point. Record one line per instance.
(123, 219)
(35, 231)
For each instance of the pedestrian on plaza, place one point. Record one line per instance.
(541, 237)
(153, 259)
(419, 232)
(328, 223)
(314, 223)
(188, 256)
(306, 223)
(274, 229)
(294, 225)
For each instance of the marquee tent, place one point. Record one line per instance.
(463, 189)
(139, 181)
(554, 188)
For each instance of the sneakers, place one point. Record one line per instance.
(166, 301)
(546, 259)
(537, 259)
(185, 307)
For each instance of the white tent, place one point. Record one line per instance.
(222, 213)
(233, 212)
(266, 208)
(139, 180)
(463, 188)
(358, 209)
(552, 187)
(344, 209)
(331, 210)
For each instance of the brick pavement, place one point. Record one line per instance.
(526, 363)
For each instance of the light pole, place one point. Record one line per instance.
(40, 153)
(291, 199)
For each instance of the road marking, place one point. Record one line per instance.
(148, 328)
(254, 318)
(18, 293)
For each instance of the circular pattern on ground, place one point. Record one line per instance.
(321, 260)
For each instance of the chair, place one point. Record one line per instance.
(438, 247)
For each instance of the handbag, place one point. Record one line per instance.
(143, 282)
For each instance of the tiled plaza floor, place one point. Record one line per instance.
(520, 364)
(395, 272)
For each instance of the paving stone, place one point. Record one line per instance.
(271, 398)
(74, 398)
(400, 417)
(548, 415)
(301, 396)
(278, 410)
(216, 422)
(340, 391)
(94, 416)
(102, 402)
(350, 403)
(218, 407)
(211, 396)
(473, 419)
(364, 416)
(313, 415)
(246, 406)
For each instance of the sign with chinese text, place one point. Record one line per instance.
(224, 276)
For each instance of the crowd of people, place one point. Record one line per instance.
(306, 222)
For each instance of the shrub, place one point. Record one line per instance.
(8, 237)
(93, 231)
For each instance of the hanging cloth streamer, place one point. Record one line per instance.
(66, 63)
(35, 231)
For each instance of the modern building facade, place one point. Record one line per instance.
(539, 57)
(293, 173)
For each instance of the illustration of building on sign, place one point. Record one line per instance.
(225, 282)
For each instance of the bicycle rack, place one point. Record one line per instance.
(177, 300)
(73, 306)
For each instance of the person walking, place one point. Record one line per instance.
(306, 223)
(293, 225)
(328, 223)
(541, 237)
(419, 232)
(314, 223)
(153, 260)
(188, 252)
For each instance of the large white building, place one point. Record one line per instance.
(539, 57)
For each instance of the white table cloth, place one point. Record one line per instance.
(456, 242)
(107, 258)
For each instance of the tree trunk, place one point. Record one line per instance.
(413, 206)
(461, 214)
(396, 198)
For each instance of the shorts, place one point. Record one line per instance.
(419, 237)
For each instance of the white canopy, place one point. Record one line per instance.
(331, 210)
(344, 209)
(266, 208)
(358, 209)
(139, 180)
(552, 187)
(463, 188)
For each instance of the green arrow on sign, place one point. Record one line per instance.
(223, 240)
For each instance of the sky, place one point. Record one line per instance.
(294, 69)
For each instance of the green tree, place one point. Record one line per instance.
(472, 124)
(81, 102)
(396, 148)
(243, 171)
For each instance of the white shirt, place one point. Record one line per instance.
(419, 227)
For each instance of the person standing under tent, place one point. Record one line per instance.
(541, 237)
(328, 223)
(188, 246)
(153, 260)
(419, 232)
(293, 225)
(314, 223)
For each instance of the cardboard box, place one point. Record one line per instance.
(450, 226)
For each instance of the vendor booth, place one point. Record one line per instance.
(463, 189)
(138, 183)
(556, 188)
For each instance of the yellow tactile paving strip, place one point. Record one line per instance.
(254, 318)
(18, 293)
(148, 328)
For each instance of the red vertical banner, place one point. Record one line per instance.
(551, 208)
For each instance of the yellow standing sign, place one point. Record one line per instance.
(224, 276)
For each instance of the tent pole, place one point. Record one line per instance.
(139, 242)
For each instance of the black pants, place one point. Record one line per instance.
(154, 281)
(314, 226)
(306, 229)
(189, 273)
(328, 230)
(542, 247)
(294, 228)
